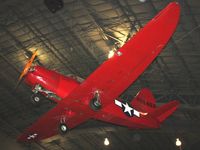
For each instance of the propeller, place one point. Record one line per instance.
(26, 69)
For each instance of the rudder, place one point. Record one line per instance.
(144, 101)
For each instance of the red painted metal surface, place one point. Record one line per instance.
(144, 101)
(110, 79)
(59, 84)
(152, 119)
(48, 125)
(117, 73)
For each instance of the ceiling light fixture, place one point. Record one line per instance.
(106, 142)
(142, 1)
(178, 142)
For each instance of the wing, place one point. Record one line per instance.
(48, 125)
(117, 73)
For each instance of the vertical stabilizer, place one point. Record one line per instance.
(144, 101)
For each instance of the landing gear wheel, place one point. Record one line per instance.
(35, 98)
(94, 104)
(63, 128)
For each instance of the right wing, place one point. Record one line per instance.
(117, 73)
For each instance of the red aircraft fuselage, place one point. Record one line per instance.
(97, 97)
(50, 80)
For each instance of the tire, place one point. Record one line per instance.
(36, 98)
(94, 106)
(63, 128)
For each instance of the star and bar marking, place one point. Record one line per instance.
(127, 109)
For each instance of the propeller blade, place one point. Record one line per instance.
(26, 68)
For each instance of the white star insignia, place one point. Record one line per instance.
(127, 108)
(32, 136)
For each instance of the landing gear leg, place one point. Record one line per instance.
(95, 103)
(38, 89)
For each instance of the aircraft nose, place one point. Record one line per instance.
(32, 69)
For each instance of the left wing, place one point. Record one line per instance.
(48, 125)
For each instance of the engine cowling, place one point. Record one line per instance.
(51, 80)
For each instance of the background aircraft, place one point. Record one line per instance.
(97, 96)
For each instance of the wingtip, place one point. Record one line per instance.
(174, 3)
(23, 138)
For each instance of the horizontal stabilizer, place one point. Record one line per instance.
(164, 111)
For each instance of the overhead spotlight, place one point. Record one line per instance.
(142, 1)
(106, 142)
(54, 5)
(178, 142)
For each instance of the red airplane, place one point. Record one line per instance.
(97, 96)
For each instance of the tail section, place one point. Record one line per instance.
(163, 112)
(140, 113)
(144, 101)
